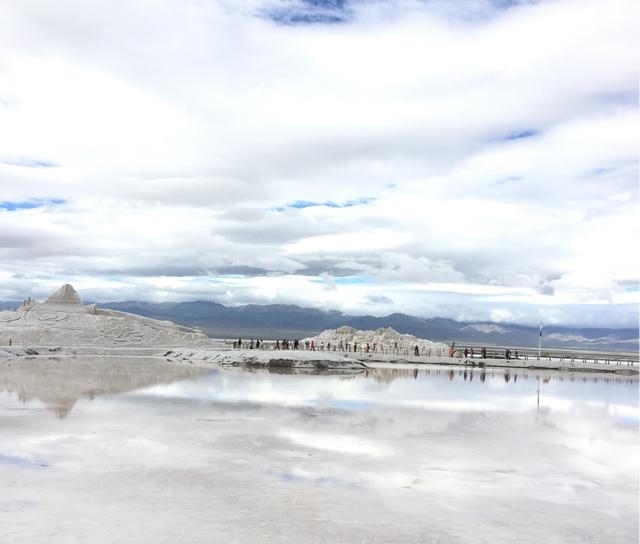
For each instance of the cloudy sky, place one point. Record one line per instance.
(475, 159)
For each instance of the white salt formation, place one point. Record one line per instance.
(63, 320)
(383, 340)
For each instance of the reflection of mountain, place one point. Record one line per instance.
(60, 383)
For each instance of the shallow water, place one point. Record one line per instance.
(143, 451)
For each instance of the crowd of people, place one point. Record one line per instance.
(340, 345)
(365, 347)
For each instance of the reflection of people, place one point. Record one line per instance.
(451, 375)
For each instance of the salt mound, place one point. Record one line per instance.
(62, 320)
(384, 339)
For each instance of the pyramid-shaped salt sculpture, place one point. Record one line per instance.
(65, 299)
(65, 295)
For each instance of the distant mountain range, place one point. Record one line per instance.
(289, 321)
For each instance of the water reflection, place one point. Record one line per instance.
(59, 384)
(435, 388)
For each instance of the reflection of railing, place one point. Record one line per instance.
(508, 375)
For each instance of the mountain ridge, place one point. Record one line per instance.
(292, 321)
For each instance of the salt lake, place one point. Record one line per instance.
(142, 450)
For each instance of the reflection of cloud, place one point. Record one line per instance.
(397, 387)
(454, 405)
(625, 411)
(318, 477)
(340, 443)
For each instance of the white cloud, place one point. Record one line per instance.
(498, 148)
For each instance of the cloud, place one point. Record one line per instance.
(466, 158)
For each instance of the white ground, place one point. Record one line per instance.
(382, 456)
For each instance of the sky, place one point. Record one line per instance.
(474, 160)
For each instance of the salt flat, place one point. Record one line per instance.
(145, 450)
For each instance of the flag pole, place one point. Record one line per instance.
(539, 341)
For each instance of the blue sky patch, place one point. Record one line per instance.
(352, 280)
(300, 204)
(346, 280)
(310, 12)
(603, 171)
(521, 134)
(29, 163)
(10, 206)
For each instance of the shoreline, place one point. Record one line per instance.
(322, 360)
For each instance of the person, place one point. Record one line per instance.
(466, 353)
